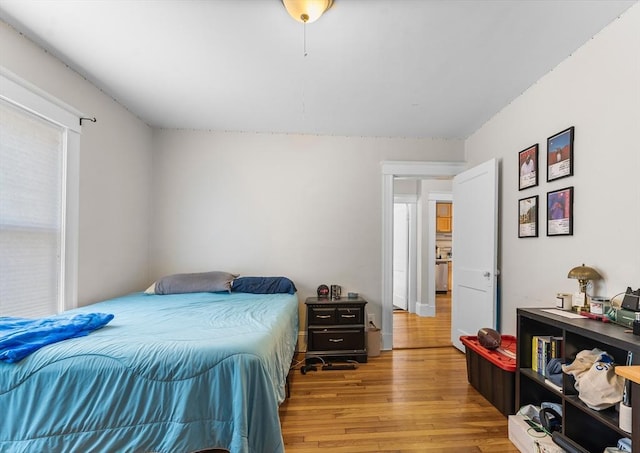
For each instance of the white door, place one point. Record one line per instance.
(475, 241)
(400, 255)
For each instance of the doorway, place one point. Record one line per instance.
(476, 272)
(391, 171)
(421, 322)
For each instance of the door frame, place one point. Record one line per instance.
(391, 170)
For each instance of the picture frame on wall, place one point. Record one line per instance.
(528, 167)
(560, 155)
(560, 212)
(528, 217)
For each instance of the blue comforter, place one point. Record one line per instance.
(176, 373)
(19, 337)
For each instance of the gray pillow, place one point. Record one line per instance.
(203, 282)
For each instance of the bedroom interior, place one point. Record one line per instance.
(220, 145)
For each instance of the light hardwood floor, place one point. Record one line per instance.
(405, 400)
(412, 331)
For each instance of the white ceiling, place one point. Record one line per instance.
(393, 68)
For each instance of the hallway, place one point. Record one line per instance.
(411, 331)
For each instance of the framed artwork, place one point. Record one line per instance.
(560, 212)
(528, 167)
(528, 217)
(560, 155)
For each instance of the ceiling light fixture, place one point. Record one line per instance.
(306, 11)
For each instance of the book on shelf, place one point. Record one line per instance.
(534, 353)
(543, 349)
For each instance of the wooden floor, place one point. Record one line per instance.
(412, 331)
(405, 400)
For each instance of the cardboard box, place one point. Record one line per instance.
(527, 440)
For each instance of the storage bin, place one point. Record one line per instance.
(373, 342)
(492, 372)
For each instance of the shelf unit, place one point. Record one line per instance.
(591, 429)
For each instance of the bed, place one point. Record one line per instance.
(170, 373)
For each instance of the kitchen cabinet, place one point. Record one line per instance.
(444, 217)
(590, 429)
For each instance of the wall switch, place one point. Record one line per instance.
(371, 319)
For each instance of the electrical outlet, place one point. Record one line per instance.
(371, 318)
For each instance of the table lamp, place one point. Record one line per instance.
(583, 274)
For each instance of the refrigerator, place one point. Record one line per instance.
(442, 276)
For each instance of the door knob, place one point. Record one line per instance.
(487, 274)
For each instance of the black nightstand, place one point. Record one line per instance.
(335, 330)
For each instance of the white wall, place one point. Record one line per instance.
(307, 207)
(405, 186)
(597, 90)
(115, 173)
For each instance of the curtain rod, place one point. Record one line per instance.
(93, 120)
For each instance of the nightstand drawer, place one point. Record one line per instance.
(336, 330)
(322, 315)
(336, 339)
(350, 315)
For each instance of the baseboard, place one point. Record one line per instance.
(423, 309)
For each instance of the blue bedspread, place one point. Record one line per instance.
(19, 337)
(175, 373)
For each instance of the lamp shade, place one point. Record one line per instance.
(584, 273)
(306, 11)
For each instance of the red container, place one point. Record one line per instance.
(492, 371)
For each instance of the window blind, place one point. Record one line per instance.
(32, 182)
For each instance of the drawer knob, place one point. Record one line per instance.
(348, 316)
(323, 316)
(336, 340)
